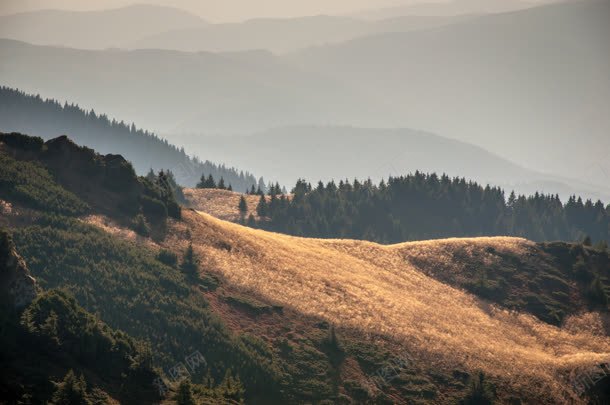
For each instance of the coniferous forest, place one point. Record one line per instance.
(428, 206)
(49, 118)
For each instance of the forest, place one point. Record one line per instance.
(428, 206)
(49, 118)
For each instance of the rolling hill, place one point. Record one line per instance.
(333, 153)
(94, 29)
(378, 291)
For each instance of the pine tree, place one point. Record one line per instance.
(243, 207)
(151, 175)
(71, 391)
(210, 183)
(184, 396)
(190, 263)
(221, 184)
(202, 182)
(261, 208)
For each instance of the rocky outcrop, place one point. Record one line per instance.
(16, 283)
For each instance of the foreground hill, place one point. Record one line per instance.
(94, 29)
(299, 320)
(380, 291)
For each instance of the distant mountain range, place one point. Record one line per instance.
(283, 35)
(531, 86)
(95, 29)
(446, 8)
(327, 153)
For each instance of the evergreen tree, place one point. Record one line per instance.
(597, 293)
(243, 207)
(190, 264)
(221, 184)
(184, 395)
(587, 241)
(210, 183)
(71, 391)
(202, 182)
(151, 175)
(261, 208)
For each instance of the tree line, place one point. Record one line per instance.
(427, 206)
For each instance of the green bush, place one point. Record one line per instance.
(31, 185)
(167, 257)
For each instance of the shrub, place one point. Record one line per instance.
(597, 294)
(153, 209)
(167, 257)
(190, 264)
(140, 226)
(480, 392)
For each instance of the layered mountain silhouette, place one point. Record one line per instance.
(330, 152)
(95, 29)
(530, 85)
(283, 35)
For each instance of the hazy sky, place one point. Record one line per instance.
(222, 10)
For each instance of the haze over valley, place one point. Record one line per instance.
(305, 202)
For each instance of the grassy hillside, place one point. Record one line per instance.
(280, 319)
(374, 289)
(222, 204)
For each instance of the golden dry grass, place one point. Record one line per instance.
(377, 290)
(220, 203)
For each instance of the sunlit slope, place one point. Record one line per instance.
(375, 289)
(222, 204)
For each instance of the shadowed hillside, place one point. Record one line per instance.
(33, 115)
